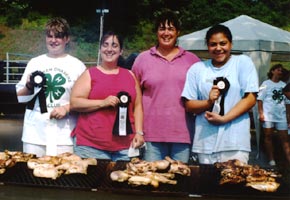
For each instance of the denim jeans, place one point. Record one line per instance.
(91, 152)
(158, 151)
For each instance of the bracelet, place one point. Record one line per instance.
(140, 132)
(27, 86)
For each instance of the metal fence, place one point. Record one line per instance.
(13, 67)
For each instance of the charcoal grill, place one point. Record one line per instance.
(20, 174)
(180, 189)
(203, 181)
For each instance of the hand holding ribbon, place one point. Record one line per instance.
(122, 125)
(223, 85)
(37, 79)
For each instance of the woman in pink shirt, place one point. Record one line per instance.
(161, 71)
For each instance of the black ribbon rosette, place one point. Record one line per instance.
(37, 79)
(122, 125)
(223, 85)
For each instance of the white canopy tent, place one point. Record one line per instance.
(251, 37)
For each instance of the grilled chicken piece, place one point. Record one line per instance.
(76, 169)
(3, 156)
(142, 180)
(161, 164)
(33, 163)
(46, 172)
(67, 157)
(119, 176)
(178, 167)
(2, 170)
(90, 161)
(164, 178)
(267, 186)
(234, 171)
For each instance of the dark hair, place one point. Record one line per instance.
(59, 26)
(109, 34)
(219, 28)
(276, 66)
(169, 17)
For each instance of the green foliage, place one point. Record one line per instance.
(132, 19)
(198, 15)
(144, 37)
(13, 10)
(34, 21)
(84, 50)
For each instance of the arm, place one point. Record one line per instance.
(27, 89)
(288, 113)
(244, 105)
(138, 116)
(200, 106)
(260, 110)
(79, 97)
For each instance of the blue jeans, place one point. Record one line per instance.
(91, 152)
(158, 151)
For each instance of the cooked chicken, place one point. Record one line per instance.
(264, 186)
(46, 172)
(161, 164)
(2, 170)
(234, 171)
(140, 172)
(119, 176)
(66, 163)
(33, 163)
(140, 180)
(178, 167)
(3, 156)
(76, 168)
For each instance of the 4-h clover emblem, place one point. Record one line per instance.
(277, 96)
(54, 89)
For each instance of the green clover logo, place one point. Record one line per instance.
(54, 87)
(277, 96)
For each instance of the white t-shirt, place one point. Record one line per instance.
(242, 76)
(274, 101)
(61, 74)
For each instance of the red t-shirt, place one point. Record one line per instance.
(95, 129)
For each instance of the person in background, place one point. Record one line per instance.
(95, 97)
(46, 87)
(286, 92)
(161, 71)
(272, 112)
(221, 91)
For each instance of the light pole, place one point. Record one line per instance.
(102, 14)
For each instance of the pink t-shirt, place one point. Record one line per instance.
(95, 128)
(162, 82)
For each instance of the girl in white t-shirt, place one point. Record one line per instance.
(272, 112)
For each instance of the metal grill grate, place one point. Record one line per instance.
(21, 175)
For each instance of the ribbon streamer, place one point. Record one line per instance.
(37, 79)
(122, 125)
(223, 85)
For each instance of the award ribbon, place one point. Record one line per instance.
(223, 85)
(37, 79)
(122, 125)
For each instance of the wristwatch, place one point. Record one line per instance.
(140, 132)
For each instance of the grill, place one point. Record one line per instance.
(180, 189)
(21, 175)
(204, 180)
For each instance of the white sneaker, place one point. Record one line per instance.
(272, 163)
